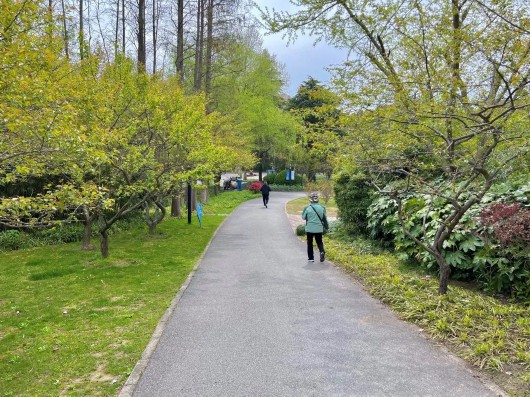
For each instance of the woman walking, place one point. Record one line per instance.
(315, 216)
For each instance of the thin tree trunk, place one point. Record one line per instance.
(104, 243)
(65, 32)
(180, 41)
(81, 31)
(117, 29)
(88, 220)
(141, 37)
(445, 273)
(155, 32)
(176, 207)
(123, 26)
(209, 46)
(199, 42)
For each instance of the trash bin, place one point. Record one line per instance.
(239, 183)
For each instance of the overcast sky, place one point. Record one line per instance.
(301, 59)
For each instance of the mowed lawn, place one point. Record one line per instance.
(73, 323)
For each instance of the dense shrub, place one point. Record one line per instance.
(286, 188)
(490, 245)
(353, 196)
(270, 179)
(64, 233)
(504, 264)
(279, 179)
(255, 186)
(300, 230)
(12, 240)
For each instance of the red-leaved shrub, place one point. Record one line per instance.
(255, 186)
(510, 223)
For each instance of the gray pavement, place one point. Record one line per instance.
(256, 319)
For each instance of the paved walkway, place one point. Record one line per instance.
(258, 320)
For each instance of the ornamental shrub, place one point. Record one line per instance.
(300, 230)
(353, 196)
(255, 186)
(279, 179)
(491, 244)
(504, 266)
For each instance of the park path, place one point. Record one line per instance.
(256, 319)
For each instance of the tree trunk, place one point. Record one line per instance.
(65, 32)
(155, 17)
(141, 37)
(193, 199)
(209, 47)
(176, 207)
(445, 272)
(81, 31)
(180, 41)
(204, 195)
(87, 230)
(104, 243)
(199, 42)
(158, 215)
(117, 29)
(123, 26)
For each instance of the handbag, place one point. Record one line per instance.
(324, 224)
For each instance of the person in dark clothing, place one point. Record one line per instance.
(265, 190)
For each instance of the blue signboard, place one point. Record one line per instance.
(199, 213)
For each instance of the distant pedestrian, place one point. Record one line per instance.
(315, 216)
(265, 190)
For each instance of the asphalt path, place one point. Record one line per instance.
(257, 319)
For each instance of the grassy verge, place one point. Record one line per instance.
(491, 335)
(73, 323)
(296, 206)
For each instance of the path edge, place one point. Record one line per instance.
(128, 388)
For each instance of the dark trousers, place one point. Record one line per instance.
(265, 199)
(320, 244)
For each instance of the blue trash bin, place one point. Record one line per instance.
(239, 184)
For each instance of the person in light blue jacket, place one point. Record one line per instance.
(315, 216)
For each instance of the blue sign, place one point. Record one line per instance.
(199, 213)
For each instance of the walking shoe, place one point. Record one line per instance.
(322, 256)
(310, 260)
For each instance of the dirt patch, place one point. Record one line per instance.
(99, 375)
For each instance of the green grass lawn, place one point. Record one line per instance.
(297, 206)
(73, 323)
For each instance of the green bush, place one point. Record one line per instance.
(63, 233)
(286, 188)
(300, 230)
(353, 196)
(279, 179)
(472, 250)
(12, 240)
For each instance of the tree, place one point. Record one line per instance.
(250, 91)
(318, 110)
(441, 89)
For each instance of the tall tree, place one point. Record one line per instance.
(318, 110)
(199, 46)
(142, 46)
(179, 63)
